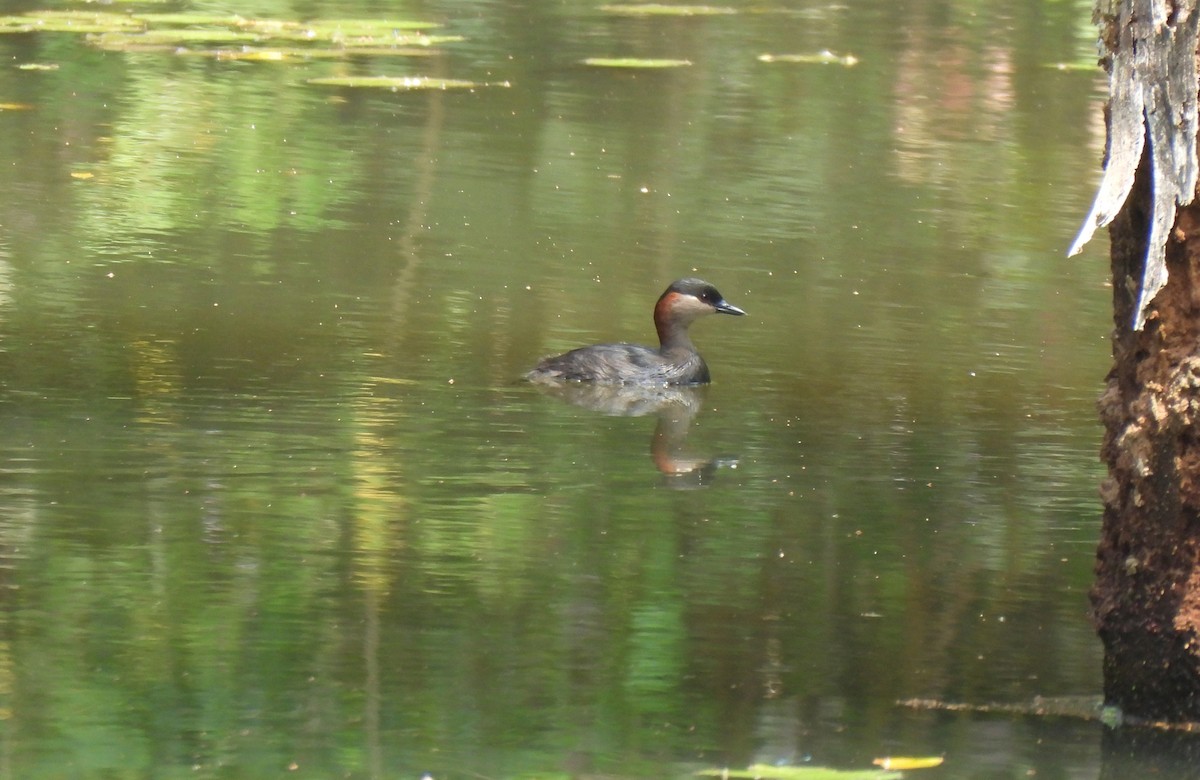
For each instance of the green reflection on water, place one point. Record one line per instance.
(272, 494)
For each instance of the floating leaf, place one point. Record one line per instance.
(903, 763)
(820, 58)
(634, 62)
(15, 107)
(349, 32)
(401, 83)
(174, 37)
(82, 175)
(123, 45)
(90, 17)
(374, 51)
(188, 33)
(659, 9)
(288, 54)
(369, 27)
(275, 27)
(419, 39)
(68, 21)
(357, 37)
(255, 55)
(191, 19)
(768, 771)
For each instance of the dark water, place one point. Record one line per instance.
(274, 502)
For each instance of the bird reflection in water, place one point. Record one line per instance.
(675, 407)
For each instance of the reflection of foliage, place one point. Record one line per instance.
(656, 651)
(208, 508)
(199, 151)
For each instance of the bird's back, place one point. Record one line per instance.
(630, 364)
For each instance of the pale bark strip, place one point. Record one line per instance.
(1152, 91)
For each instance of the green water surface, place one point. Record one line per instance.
(274, 501)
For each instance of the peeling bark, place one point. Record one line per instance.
(1152, 97)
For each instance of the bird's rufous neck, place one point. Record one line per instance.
(672, 332)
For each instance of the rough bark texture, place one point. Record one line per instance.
(1147, 594)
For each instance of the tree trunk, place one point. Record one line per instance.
(1146, 598)
(1147, 592)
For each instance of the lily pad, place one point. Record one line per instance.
(68, 21)
(373, 51)
(369, 27)
(350, 32)
(661, 9)
(191, 19)
(123, 45)
(287, 54)
(634, 62)
(417, 39)
(401, 83)
(91, 17)
(820, 58)
(254, 55)
(361, 37)
(194, 35)
(292, 54)
(232, 37)
(118, 41)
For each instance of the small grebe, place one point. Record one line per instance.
(675, 362)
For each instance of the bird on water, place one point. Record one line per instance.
(674, 362)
